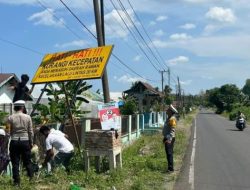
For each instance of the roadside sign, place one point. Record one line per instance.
(73, 65)
(109, 115)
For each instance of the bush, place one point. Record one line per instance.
(233, 114)
(129, 108)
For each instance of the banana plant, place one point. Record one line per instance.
(57, 109)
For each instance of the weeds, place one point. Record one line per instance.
(144, 168)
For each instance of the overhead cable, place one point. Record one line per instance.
(137, 30)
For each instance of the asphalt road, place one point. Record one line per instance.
(221, 159)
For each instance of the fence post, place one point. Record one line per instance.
(143, 122)
(86, 127)
(129, 127)
(158, 118)
(11, 108)
(137, 126)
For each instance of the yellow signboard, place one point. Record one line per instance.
(73, 65)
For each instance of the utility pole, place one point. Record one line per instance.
(168, 77)
(99, 20)
(162, 80)
(179, 92)
(183, 102)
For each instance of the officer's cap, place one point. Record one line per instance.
(172, 108)
(19, 103)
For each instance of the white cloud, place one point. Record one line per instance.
(128, 79)
(137, 58)
(46, 18)
(213, 46)
(81, 5)
(159, 33)
(75, 43)
(211, 28)
(178, 60)
(221, 14)
(161, 18)
(160, 43)
(188, 26)
(181, 36)
(197, 1)
(187, 82)
(115, 26)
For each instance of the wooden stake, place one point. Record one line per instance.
(71, 117)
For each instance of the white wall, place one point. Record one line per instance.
(6, 95)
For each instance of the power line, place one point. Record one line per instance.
(78, 19)
(133, 36)
(128, 71)
(21, 46)
(136, 28)
(96, 38)
(130, 68)
(145, 31)
(138, 18)
(54, 15)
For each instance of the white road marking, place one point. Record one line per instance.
(191, 170)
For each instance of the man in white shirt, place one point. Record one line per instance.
(58, 140)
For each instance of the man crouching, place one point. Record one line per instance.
(58, 140)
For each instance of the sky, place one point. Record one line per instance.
(203, 42)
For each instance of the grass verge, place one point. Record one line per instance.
(144, 168)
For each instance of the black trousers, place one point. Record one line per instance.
(20, 149)
(169, 148)
(64, 159)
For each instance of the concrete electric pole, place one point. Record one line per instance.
(162, 80)
(99, 20)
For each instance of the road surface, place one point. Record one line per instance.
(218, 156)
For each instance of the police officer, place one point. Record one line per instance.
(21, 133)
(168, 133)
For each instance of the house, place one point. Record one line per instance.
(6, 93)
(145, 94)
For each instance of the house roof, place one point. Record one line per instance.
(147, 88)
(5, 77)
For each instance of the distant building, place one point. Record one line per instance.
(145, 94)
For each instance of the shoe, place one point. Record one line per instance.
(16, 184)
(170, 170)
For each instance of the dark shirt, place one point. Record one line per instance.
(21, 92)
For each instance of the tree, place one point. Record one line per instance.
(246, 87)
(167, 95)
(230, 94)
(224, 97)
(129, 107)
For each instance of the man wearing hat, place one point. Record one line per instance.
(21, 133)
(168, 133)
(22, 92)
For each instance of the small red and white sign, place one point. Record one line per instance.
(109, 115)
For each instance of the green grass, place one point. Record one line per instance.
(144, 168)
